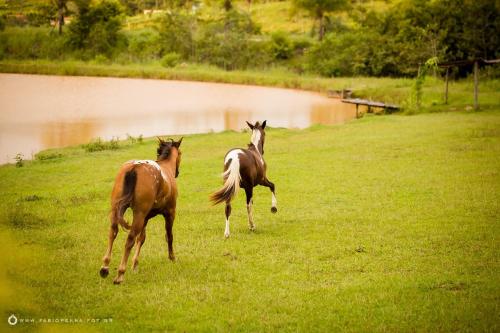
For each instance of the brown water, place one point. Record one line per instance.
(39, 112)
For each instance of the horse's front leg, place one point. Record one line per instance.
(169, 236)
(274, 202)
(249, 194)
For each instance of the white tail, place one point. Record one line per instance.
(232, 176)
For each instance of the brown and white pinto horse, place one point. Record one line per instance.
(245, 168)
(149, 189)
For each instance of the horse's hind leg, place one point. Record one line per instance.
(138, 245)
(113, 231)
(228, 213)
(249, 193)
(169, 236)
(137, 227)
(274, 202)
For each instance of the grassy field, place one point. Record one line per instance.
(387, 223)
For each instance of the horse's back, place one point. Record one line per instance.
(147, 183)
(251, 166)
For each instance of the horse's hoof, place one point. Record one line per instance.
(118, 280)
(171, 258)
(274, 210)
(104, 272)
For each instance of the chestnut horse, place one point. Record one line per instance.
(148, 188)
(245, 168)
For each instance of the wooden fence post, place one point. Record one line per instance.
(476, 78)
(446, 86)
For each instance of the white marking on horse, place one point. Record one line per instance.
(255, 141)
(250, 216)
(226, 233)
(274, 201)
(232, 155)
(153, 164)
(255, 137)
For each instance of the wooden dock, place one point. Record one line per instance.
(388, 108)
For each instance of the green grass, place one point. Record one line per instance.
(279, 16)
(389, 90)
(387, 223)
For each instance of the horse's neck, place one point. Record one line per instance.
(259, 148)
(255, 150)
(168, 165)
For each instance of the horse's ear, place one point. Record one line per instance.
(250, 125)
(264, 124)
(178, 143)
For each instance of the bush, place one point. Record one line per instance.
(99, 145)
(31, 43)
(170, 60)
(281, 47)
(19, 160)
(143, 45)
(48, 155)
(352, 53)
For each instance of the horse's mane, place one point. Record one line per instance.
(164, 149)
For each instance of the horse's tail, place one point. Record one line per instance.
(126, 199)
(231, 185)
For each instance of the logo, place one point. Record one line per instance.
(12, 320)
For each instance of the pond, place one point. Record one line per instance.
(39, 112)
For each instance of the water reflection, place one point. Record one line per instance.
(38, 112)
(61, 134)
(326, 114)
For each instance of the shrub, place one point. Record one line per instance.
(19, 160)
(48, 155)
(134, 140)
(281, 47)
(352, 53)
(170, 60)
(144, 45)
(99, 145)
(31, 43)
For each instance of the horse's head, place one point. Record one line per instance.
(258, 135)
(169, 148)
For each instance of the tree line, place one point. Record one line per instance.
(361, 41)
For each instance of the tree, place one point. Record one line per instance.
(319, 8)
(96, 27)
(226, 42)
(176, 33)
